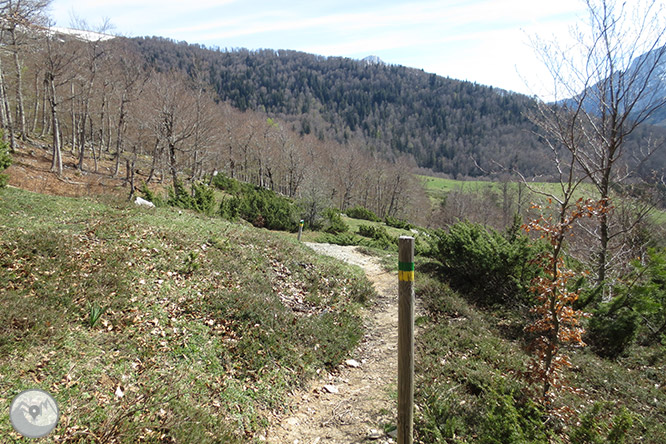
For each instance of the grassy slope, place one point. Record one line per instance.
(194, 335)
(437, 188)
(469, 389)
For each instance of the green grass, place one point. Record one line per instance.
(437, 188)
(202, 328)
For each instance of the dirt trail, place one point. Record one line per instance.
(365, 398)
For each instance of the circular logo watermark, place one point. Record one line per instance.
(34, 413)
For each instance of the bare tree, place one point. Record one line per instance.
(130, 80)
(172, 109)
(15, 14)
(59, 55)
(606, 86)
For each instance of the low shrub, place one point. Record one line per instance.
(223, 182)
(485, 264)
(5, 162)
(203, 199)
(340, 239)
(262, 208)
(359, 212)
(380, 237)
(150, 195)
(611, 330)
(229, 208)
(370, 230)
(593, 429)
(180, 197)
(334, 223)
(511, 418)
(637, 313)
(397, 223)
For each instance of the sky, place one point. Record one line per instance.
(484, 41)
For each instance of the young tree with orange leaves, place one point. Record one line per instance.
(557, 323)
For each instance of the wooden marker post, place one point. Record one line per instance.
(300, 229)
(406, 340)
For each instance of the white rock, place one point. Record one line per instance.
(143, 202)
(330, 388)
(352, 363)
(374, 434)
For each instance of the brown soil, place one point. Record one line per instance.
(365, 398)
(31, 170)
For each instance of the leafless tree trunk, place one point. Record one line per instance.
(56, 164)
(20, 112)
(608, 92)
(6, 110)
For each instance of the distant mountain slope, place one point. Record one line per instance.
(450, 126)
(445, 124)
(641, 86)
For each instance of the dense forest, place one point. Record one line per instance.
(448, 126)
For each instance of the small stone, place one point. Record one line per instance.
(353, 363)
(330, 388)
(374, 434)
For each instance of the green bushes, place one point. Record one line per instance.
(358, 212)
(397, 223)
(334, 223)
(592, 429)
(262, 208)
(5, 161)
(638, 311)
(485, 264)
(222, 182)
(179, 196)
(150, 196)
(611, 330)
(380, 237)
(201, 198)
(373, 237)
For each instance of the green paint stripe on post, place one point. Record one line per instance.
(406, 266)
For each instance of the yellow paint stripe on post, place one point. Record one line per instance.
(406, 276)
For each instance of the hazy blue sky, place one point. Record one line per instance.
(486, 41)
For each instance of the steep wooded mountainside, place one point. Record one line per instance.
(455, 127)
(446, 125)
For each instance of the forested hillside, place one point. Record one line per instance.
(445, 124)
(455, 127)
